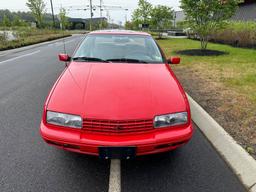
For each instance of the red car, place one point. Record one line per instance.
(117, 98)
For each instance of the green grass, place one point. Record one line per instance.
(236, 70)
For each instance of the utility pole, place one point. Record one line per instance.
(91, 15)
(100, 8)
(53, 19)
(101, 14)
(126, 11)
(174, 19)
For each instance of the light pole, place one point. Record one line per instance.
(174, 19)
(53, 19)
(91, 15)
(101, 8)
(126, 11)
(100, 14)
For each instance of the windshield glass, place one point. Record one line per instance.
(119, 48)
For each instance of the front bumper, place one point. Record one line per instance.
(161, 140)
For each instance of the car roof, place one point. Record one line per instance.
(120, 32)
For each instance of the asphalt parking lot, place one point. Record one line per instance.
(28, 164)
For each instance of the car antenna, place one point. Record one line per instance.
(63, 39)
(64, 48)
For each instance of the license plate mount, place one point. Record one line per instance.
(117, 152)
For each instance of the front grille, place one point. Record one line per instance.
(117, 126)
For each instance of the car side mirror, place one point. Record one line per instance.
(174, 60)
(64, 57)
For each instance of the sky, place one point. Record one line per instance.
(116, 16)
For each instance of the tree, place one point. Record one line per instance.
(161, 18)
(6, 21)
(104, 24)
(63, 18)
(142, 13)
(16, 21)
(205, 17)
(99, 24)
(129, 25)
(5, 12)
(37, 7)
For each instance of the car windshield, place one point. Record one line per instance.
(118, 48)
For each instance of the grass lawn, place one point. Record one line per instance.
(236, 70)
(224, 85)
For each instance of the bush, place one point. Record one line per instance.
(182, 25)
(28, 36)
(3, 37)
(239, 34)
(27, 32)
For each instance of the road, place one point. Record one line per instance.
(28, 164)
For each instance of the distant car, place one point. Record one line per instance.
(117, 98)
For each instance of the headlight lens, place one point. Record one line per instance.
(65, 120)
(171, 120)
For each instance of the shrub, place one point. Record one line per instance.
(240, 34)
(182, 25)
(28, 36)
(3, 38)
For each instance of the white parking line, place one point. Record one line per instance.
(1, 55)
(115, 176)
(2, 62)
(66, 42)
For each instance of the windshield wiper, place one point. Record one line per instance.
(89, 59)
(127, 60)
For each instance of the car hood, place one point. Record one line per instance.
(117, 91)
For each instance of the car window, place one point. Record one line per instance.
(119, 47)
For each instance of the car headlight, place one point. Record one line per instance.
(65, 120)
(171, 120)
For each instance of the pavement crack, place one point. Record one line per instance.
(252, 186)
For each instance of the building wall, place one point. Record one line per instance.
(179, 16)
(247, 1)
(246, 12)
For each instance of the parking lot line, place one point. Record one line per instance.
(115, 176)
(1, 62)
(64, 42)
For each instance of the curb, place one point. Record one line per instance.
(253, 189)
(243, 165)
(17, 50)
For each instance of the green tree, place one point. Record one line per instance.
(100, 24)
(142, 13)
(37, 7)
(63, 18)
(6, 21)
(104, 24)
(129, 25)
(161, 18)
(205, 17)
(16, 21)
